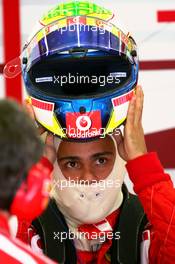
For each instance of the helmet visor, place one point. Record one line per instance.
(82, 32)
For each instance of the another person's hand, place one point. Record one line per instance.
(132, 144)
(49, 150)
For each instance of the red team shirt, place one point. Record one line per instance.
(13, 251)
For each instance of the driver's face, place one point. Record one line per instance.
(87, 161)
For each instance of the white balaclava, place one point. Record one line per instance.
(88, 204)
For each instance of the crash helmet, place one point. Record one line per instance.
(80, 71)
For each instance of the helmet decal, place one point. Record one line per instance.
(120, 105)
(77, 8)
(84, 125)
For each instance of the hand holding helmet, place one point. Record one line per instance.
(132, 145)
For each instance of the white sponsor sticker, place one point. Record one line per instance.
(120, 105)
(43, 111)
(44, 79)
(118, 74)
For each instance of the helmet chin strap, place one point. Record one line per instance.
(88, 203)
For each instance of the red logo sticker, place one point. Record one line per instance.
(83, 125)
(122, 99)
(76, 20)
(42, 104)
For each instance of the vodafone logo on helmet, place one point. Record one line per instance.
(83, 123)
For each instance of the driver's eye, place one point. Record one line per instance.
(101, 161)
(72, 164)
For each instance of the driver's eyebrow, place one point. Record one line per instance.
(99, 154)
(95, 155)
(69, 158)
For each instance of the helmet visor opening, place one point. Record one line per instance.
(82, 77)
